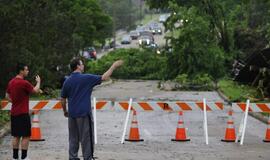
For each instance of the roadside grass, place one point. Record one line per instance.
(4, 117)
(236, 92)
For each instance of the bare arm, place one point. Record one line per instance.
(109, 72)
(37, 87)
(64, 106)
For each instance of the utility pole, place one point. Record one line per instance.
(130, 5)
(114, 27)
(141, 12)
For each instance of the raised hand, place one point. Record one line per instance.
(38, 79)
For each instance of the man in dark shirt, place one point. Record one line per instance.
(18, 92)
(78, 89)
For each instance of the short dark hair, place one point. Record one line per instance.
(74, 63)
(20, 67)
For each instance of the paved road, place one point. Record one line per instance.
(156, 128)
(159, 40)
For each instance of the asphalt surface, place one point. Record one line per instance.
(159, 40)
(156, 128)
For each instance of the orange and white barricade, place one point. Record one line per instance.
(248, 107)
(54, 105)
(253, 107)
(169, 106)
(138, 106)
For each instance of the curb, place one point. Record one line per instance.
(259, 117)
(5, 130)
(225, 98)
(255, 115)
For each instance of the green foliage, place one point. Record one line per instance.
(124, 13)
(138, 64)
(237, 92)
(232, 29)
(48, 93)
(163, 4)
(198, 82)
(4, 117)
(267, 35)
(182, 79)
(202, 79)
(46, 34)
(195, 50)
(205, 37)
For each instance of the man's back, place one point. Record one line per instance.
(19, 91)
(78, 89)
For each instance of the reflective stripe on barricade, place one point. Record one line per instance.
(148, 106)
(169, 106)
(123, 105)
(253, 107)
(52, 105)
(36, 105)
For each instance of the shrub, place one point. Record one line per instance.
(138, 64)
(198, 82)
(182, 79)
(4, 117)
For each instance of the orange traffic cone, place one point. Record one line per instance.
(35, 130)
(267, 134)
(134, 135)
(230, 130)
(180, 130)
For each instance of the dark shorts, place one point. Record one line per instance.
(21, 125)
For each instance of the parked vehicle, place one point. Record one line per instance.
(90, 53)
(126, 39)
(141, 29)
(149, 34)
(154, 47)
(163, 18)
(152, 25)
(134, 34)
(156, 30)
(146, 40)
